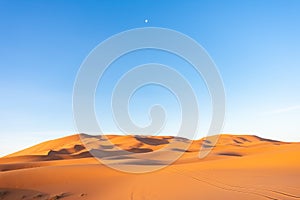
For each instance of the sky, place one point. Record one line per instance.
(255, 45)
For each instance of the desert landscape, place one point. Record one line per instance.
(238, 167)
(150, 100)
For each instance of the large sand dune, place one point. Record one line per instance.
(238, 167)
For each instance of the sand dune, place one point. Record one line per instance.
(238, 167)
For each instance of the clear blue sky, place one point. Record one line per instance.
(255, 44)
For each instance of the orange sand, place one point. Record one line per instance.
(239, 167)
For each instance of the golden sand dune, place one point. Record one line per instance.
(238, 167)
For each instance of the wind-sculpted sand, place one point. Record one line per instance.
(238, 167)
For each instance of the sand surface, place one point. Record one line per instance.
(238, 167)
